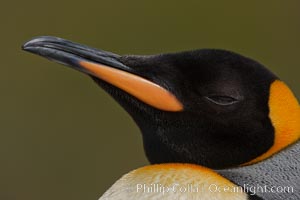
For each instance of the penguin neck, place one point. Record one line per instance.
(280, 170)
(187, 138)
(167, 138)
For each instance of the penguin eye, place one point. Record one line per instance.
(222, 100)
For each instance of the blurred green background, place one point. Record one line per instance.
(62, 137)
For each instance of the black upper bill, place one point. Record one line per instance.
(70, 53)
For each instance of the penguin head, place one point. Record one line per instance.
(210, 107)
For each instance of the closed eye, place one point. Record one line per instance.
(222, 100)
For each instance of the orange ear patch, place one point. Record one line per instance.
(144, 90)
(285, 117)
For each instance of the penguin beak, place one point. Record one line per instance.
(105, 66)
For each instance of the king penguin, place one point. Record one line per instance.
(220, 116)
